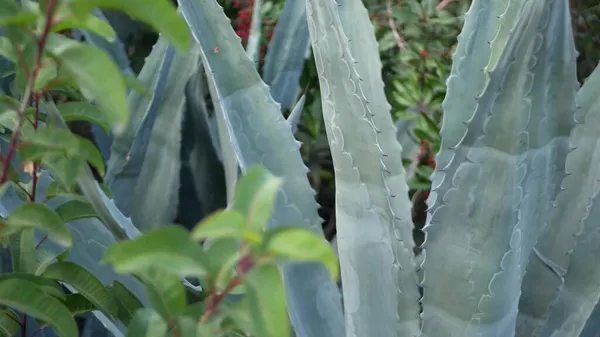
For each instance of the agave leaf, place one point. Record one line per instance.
(139, 106)
(482, 24)
(540, 285)
(126, 177)
(285, 57)
(254, 40)
(155, 198)
(569, 241)
(370, 183)
(199, 158)
(228, 152)
(260, 135)
(479, 237)
(296, 114)
(592, 326)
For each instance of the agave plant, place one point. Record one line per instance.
(511, 222)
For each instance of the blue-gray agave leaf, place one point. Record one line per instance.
(139, 105)
(260, 135)
(558, 304)
(489, 201)
(374, 224)
(228, 152)
(200, 163)
(592, 326)
(484, 22)
(286, 52)
(254, 40)
(129, 149)
(155, 198)
(296, 114)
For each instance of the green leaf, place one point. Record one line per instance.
(159, 14)
(97, 75)
(300, 244)
(64, 169)
(28, 297)
(88, 22)
(9, 323)
(50, 287)
(7, 50)
(13, 15)
(222, 252)
(165, 291)
(84, 111)
(45, 257)
(188, 327)
(147, 323)
(255, 196)
(169, 248)
(55, 140)
(90, 152)
(85, 283)
(63, 256)
(22, 251)
(126, 301)
(79, 304)
(266, 298)
(38, 216)
(75, 209)
(223, 224)
(47, 73)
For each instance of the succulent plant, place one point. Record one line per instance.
(512, 228)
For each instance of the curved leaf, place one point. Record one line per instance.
(38, 216)
(85, 283)
(30, 298)
(286, 52)
(87, 65)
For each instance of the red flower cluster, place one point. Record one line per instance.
(425, 155)
(244, 19)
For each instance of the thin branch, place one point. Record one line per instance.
(392, 23)
(443, 4)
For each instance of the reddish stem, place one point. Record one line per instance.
(174, 328)
(24, 325)
(216, 297)
(41, 44)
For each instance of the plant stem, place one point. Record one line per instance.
(27, 97)
(24, 325)
(216, 298)
(41, 43)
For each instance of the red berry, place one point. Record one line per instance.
(424, 54)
